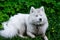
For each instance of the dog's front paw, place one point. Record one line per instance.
(45, 38)
(32, 36)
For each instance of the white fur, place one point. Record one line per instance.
(13, 25)
(17, 23)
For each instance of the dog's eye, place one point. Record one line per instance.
(36, 15)
(40, 15)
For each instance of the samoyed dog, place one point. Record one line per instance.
(34, 23)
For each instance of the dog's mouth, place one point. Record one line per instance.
(38, 21)
(38, 24)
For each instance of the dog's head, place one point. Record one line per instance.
(37, 16)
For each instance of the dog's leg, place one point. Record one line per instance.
(43, 31)
(30, 34)
(21, 33)
(44, 37)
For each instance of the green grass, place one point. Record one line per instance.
(52, 9)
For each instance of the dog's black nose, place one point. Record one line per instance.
(40, 19)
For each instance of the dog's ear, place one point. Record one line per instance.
(32, 10)
(41, 8)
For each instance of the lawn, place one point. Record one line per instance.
(9, 8)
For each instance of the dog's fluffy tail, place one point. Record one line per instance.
(8, 32)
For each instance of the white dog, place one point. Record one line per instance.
(37, 23)
(34, 23)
